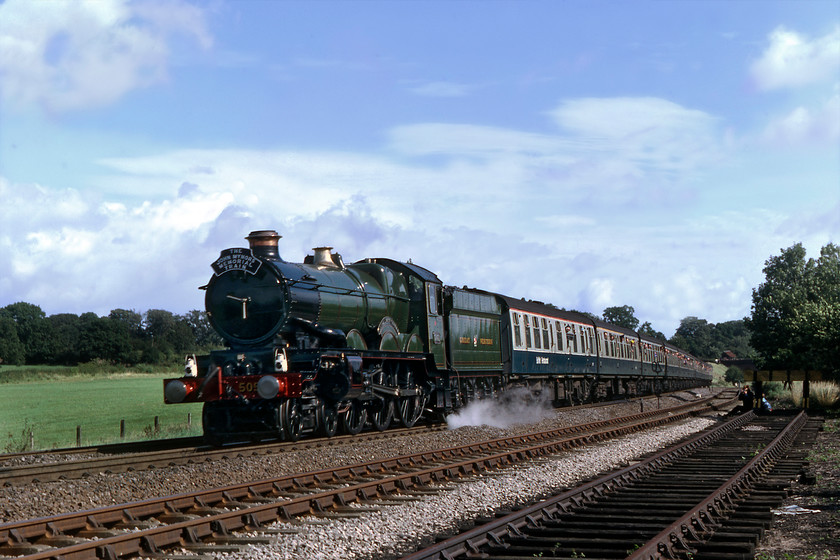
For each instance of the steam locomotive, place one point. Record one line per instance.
(320, 346)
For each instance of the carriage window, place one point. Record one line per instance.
(571, 338)
(551, 335)
(537, 335)
(546, 343)
(559, 328)
(517, 333)
(527, 331)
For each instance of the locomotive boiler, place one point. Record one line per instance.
(316, 346)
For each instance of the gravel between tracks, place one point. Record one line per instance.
(396, 530)
(480, 496)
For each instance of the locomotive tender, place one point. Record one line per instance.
(320, 345)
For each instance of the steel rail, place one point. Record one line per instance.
(203, 498)
(496, 531)
(141, 446)
(46, 472)
(97, 522)
(705, 516)
(60, 470)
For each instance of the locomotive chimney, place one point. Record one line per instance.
(264, 243)
(324, 258)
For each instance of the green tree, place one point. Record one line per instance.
(103, 338)
(33, 331)
(11, 349)
(132, 320)
(795, 320)
(168, 336)
(205, 336)
(695, 336)
(65, 328)
(733, 336)
(621, 316)
(648, 330)
(733, 375)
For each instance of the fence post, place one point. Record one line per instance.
(157, 424)
(189, 419)
(32, 441)
(78, 436)
(122, 428)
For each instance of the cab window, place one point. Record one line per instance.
(433, 308)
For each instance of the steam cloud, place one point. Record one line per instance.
(516, 406)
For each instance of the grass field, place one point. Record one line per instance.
(50, 409)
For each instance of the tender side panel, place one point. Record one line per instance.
(474, 325)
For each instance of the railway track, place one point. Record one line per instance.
(708, 498)
(187, 520)
(70, 463)
(104, 449)
(74, 467)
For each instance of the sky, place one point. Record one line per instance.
(584, 153)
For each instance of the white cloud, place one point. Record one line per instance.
(599, 294)
(643, 130)
(791, 60)
(627, 117)
(804, 126)
(499, 209)
(67, 56)
(608, 151)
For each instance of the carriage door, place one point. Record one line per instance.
(434, 303)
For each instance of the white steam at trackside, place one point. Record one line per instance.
(516, 406)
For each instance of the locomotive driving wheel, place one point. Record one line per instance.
(353, 419)
(382, 412)
(410, 406)
(327, 418)
(289, 417)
